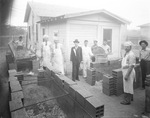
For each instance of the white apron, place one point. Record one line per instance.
(46, 54)
(128, 84)
(58, 59)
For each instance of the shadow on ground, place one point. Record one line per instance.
(4, 90)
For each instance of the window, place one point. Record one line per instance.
(107, 36)
(36, 32)
(43, 31)
(29, 32)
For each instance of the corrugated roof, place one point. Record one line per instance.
(145, 25)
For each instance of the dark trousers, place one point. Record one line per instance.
(75, 71)
(143, 71)
(128, 97)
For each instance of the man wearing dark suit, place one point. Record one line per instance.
(76, 58)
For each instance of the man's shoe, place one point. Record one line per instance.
(142, 88)
(125, 103)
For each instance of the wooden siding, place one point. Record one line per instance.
(91, 31)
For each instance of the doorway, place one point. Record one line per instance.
(107, 36)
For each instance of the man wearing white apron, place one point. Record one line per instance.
(87, 54)
(57, 56)
(128, 71)
(45, 52)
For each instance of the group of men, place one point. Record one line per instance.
(128, 63)
(54, 54)
(83, 55)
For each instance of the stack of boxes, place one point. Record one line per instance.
(113, 85)
(91, 76)
(94, 107)
(108, 85)
(118, 78)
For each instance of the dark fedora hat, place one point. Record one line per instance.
(85, 40)
(20, 37)
(76, 41)
(143, 41)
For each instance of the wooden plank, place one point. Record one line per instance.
(17, 95)
(15, 104)
(19, 114)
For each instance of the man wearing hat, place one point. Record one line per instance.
(95, 46)
(144, 55)
(128, 72)
(76, 58)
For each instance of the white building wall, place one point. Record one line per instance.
(145, 32)
(33, 19)
(88, 29)
(50, 28)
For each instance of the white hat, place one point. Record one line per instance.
(45, 37)
(128, 43)
(55, 38)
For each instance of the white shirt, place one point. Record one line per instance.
(106, 48)
(86, 52)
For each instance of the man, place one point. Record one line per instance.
(106, 47)
(20, 43)
(144, 56)
(76, 58)
(128, 63)
(95, 46)
(57, 56)
(87, 54)
(45, 52)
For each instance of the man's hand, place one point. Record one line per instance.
(126, 77)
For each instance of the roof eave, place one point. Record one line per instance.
(28, 9)
(97, 11)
